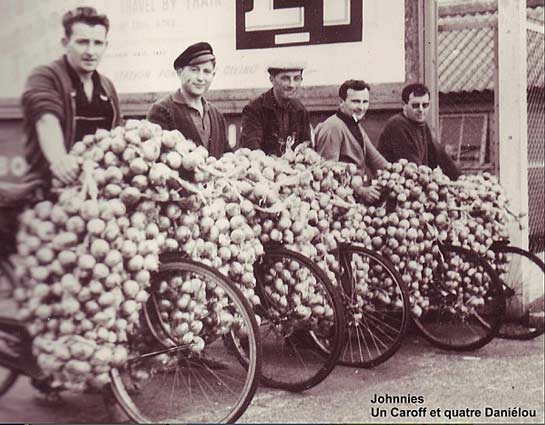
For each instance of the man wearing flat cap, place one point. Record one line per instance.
(186, 109)
(276, 118)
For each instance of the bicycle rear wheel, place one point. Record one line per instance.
(467, 304)
(522, 274)
(376, 304)
(299, 306)
(7, 283)
(188, 374)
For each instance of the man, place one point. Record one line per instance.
(62, 102)
(342, 138)
(275, 119)
(68, 99)
(407, 134)
(186, 109)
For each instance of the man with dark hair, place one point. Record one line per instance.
(68, 99)
(186, 109)
(408, 135)
(342, 138)
(276, 118)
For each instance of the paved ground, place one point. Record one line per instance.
(502, 375)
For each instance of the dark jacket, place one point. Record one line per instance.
(49, 89)
(261, 124)
(171, 113)
(402, 138)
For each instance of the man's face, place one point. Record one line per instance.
(85, 47)
(196, 79)
(417, 108)
(356, 103)
(285, 84)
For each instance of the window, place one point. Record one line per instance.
(465, 137)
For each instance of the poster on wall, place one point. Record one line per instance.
(246, 35)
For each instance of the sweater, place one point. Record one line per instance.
(403, 138)
(49, 89)
(335, 141)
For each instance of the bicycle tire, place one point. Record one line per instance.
(8, 377)
(185, 386)
(7, 380)
(7, 279)
(376, 304)
(445, 324)
(522, 322)
(292, 361)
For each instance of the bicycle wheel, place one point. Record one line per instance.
(189, 374)
(7, 375)
(7, 279)
(467, 304)
(7, 283)
(376, 302)
(299, 305)
(522, 274)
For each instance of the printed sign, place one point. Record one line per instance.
(277, 23)
(364, 39)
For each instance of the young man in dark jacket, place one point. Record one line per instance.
(68, 99)
(407, 134)
(277, 118)
(186, 109)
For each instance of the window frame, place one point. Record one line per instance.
(484, 136)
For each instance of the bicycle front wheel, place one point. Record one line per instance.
(187, 373)
(301, 312)
(377, 307)
(467, 304)
(522, 274)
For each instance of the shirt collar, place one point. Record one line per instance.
(269, 101)
(349, 120)
(75, 77)
(416, 123)
(178, 97)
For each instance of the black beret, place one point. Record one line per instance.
(196, 53)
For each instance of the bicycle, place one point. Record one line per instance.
(209, 382)
(520, 272)
(376, 302)
(299, 306)
(466, 301)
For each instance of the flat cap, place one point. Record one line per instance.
(284, 66)
(196, 53)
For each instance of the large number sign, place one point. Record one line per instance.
(278, 23)
(335, 39)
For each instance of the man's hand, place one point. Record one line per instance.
(66, 169)
(369, 194)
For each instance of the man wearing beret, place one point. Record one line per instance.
(186, 109)
(277, 118)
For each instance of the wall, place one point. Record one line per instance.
(147, 34)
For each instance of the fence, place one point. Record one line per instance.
(536, 136)
(467, 65)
